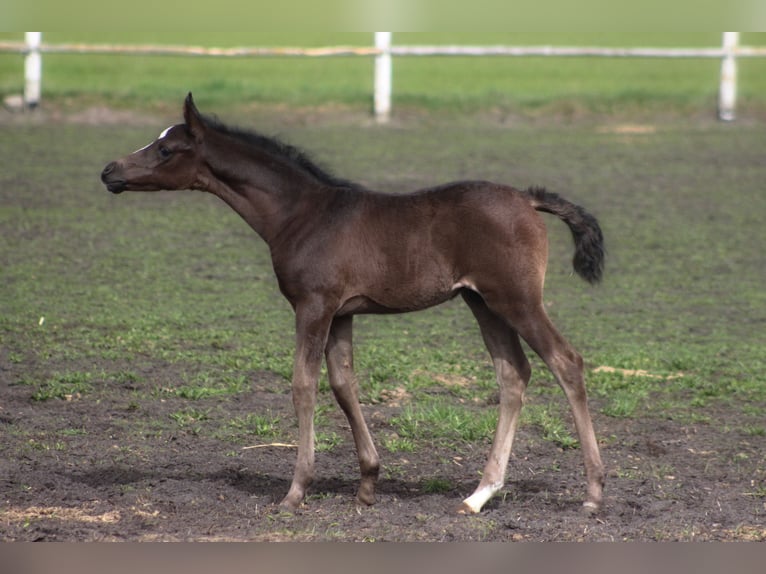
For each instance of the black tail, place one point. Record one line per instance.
(588, 258)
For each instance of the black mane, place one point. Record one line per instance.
(293, 155)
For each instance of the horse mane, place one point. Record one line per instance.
(294, 156)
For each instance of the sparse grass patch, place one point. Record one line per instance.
(206, 385)
(190, 417)
(196, 393)
(322, 414)
(550, 423)
(261, 425)
(397, 443)
(437, 485)
(443, 421)
(327, 441)
(67, 386)
(126, 377)
(623, 403)
(56, 445)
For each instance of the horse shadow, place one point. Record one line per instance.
(271, 487)
(251, 482)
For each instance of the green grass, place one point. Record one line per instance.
(439, 420)
(176, 279)
(190, 419)
(537, 86)
(396, 443)
(212, 385)
(65, 386)
(327, 441)
(550, 424)
(437, 485)
(260, 425)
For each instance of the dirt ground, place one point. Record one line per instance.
(126, 479)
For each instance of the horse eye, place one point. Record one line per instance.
(165, 152)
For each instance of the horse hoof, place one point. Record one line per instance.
(365, 499)
(288, 505)
(464, 508)
(365, 495)
(590, 508)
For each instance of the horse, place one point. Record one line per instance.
(339, 249)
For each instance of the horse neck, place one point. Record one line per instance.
(266, 192)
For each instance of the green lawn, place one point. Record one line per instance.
(457, 84)
(94, 279)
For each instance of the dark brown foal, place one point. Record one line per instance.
(339, 250)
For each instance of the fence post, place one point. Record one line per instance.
(32, 70)
(383, 77)
(727, 92)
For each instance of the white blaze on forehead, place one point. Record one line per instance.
(162, 135)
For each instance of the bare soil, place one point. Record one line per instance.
(109, 466)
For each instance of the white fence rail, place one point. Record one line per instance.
(384, 50)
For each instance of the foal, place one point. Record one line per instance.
(339, 249)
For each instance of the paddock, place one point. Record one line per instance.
(145, 351)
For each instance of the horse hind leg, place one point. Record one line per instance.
(513, 372)
(340, 370)
(534, 326)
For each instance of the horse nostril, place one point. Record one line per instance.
(108, 169)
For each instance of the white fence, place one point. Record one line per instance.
(384, 50)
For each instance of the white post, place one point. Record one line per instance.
(383, 77)
(32, 70)
(727, 93)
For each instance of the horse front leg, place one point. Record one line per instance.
(340, 369)
(312, 326)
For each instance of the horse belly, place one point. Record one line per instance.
(401, 292)
(382, 305)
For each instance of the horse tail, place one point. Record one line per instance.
(588, 260)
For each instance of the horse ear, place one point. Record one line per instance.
(193, 118)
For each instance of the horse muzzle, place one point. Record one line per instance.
(111, 178)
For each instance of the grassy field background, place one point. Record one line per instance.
(169, 299)
(178, 277)
(529, 85)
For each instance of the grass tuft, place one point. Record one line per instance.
(550, 423)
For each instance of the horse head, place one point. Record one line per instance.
(169, 162)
